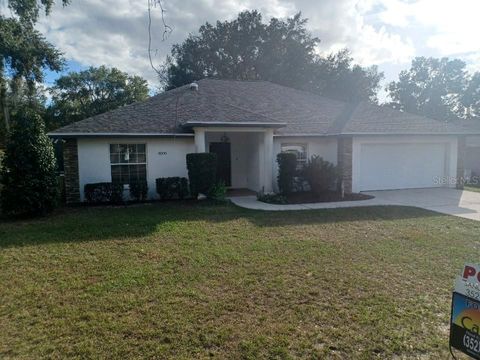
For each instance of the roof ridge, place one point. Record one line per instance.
(278, 85)
(252, 112)
(344, 117)
(423, 117)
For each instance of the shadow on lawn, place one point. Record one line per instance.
(136, 221)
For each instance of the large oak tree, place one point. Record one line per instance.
(79, 95)
(24, 52)
(437, 88)
(281, 51)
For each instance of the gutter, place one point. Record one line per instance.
(273, 125)
(378, 134)
(191, 124)
(80, 134)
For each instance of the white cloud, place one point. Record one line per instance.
(383, 32)
(345, 23)
(395, 12)
(114, 32)
(449, 27)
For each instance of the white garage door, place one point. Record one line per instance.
(401, 166)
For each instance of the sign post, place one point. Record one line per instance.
(465, 315)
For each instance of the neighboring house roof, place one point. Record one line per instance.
(227, 101)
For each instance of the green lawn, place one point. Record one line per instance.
(471, 187)
(200, 281)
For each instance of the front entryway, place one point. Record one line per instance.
(224, 161)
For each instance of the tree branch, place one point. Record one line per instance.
(166, 29)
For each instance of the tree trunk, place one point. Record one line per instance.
(3, 99)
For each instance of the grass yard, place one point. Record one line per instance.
(200, 281)
(472, 187)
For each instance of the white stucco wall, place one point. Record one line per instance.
(326, 147)
(165, 157)
(409, 146)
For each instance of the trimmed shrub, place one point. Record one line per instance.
(103, 192)
(217, 192)
(287, 170)
(139, 191)
(272, 198)
(172, 187)
(29, 181)
(202, 172)
(320, 174)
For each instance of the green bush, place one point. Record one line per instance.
(217, 192)
(272, 198)
(103, 192)
(287, 170)
(320, 174)
(172, 187)
(28, 172)
(139, 191)
(202, 172)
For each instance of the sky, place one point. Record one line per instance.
(388, 33)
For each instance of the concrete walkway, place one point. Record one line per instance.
(464, 204)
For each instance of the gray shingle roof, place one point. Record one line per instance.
(255, 101)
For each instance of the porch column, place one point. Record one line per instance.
(72, 180)
(268, 161)
(461, 154)
(344, 160)
(199, 140)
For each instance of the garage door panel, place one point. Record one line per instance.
(401, 166)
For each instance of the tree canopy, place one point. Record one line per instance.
(28, 169)
(438, 88)
(470, 98)
(24, 52)
(28, 11)
(79, 95)
(281, 51)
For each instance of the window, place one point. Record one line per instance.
(298, 149)
(128, 162)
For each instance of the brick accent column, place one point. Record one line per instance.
(461, 153)
(344, 159)
(72, 183)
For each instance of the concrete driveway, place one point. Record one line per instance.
(454, 202)
(464, 204)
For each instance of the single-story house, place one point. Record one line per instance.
(247, 123)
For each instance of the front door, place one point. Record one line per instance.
(224, 168)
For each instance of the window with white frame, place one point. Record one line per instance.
(298, 149)
(128, 163)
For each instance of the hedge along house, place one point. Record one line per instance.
(247, 123)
